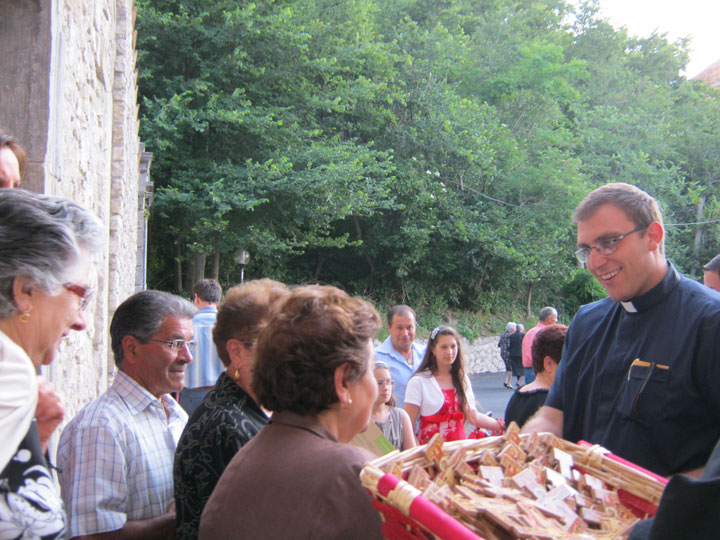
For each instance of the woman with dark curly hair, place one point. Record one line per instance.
(298, 478)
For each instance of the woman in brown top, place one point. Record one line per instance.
(298, 478)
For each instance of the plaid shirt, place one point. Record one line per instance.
(116, 458)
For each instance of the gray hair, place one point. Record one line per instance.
(510, 326)
(40, 238)
(142, 315)
(547, 312)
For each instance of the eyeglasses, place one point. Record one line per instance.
(178, 344)
(385, 383)
(604, 247)
(84, 293)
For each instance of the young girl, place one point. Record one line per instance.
(441, 393)
(392, 421)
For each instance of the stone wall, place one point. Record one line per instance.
(69, 95)
(483, 355)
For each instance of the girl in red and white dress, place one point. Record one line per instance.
(440, 392)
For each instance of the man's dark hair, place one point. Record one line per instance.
(548, 341)
(713, 265)
(400, 310)
(142, 315)
(208, 290)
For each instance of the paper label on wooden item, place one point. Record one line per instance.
(566, 462)
(526, 479)
(514, 451)
(554, 477)
(494, 475)
(433, 450)
(419, 477)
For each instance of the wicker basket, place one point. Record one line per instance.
(411, 513)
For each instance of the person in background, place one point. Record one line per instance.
(504, 344)
(548, 316)
(229, 416)
(298, 478)
(399, 351)
(546, 353)
(13, 161)
(711, 278)
(47, 247)
(393, 421)
(515, 351)
(640, 367)
(116, 456)
(201, 375)
(440, 393)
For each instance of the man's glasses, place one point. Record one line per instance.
(604, 247)
(84, 293)
(178, 344)
(385, 383)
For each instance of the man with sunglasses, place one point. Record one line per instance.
(640, 368)
(116, 456)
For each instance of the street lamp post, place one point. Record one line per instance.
(241, 258)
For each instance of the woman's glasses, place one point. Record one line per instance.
(84, 293)
(386, 382)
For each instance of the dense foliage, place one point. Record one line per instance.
(421, 152)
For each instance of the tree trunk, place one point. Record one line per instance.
(318, 268)
(198, 269)
(215, 271)
(178, 265)
(358, 231)
(528, 310)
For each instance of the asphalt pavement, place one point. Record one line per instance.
(490, 394)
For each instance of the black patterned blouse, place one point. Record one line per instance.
(226, 419)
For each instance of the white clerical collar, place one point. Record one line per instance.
(629, 307)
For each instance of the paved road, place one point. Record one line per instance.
(490, 394)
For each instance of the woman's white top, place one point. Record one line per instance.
(424, 391)
(18, 397)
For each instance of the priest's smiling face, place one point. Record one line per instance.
(637, 264)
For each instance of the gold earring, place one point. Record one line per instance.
(237, 374)
(349, 401)
(25, 317)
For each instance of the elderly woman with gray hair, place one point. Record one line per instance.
(46, 249)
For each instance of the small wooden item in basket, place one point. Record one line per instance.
(515, 486)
